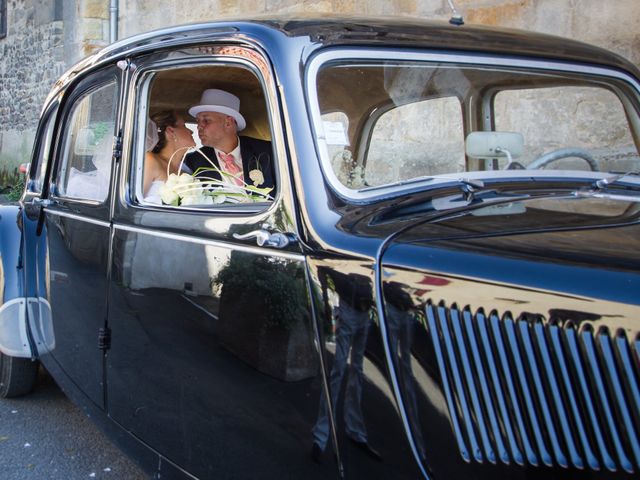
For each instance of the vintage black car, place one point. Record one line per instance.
(443, 283)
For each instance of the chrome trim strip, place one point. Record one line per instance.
(316, 62)
(471, 384)
(572, 342)
(484, 387)
(75, 216)
(435, 339)
(572, 401)
(459, 387)
(321, 351)
(525, 335)
(481, 321)
(589, 344)
(214, 243)
(377, 272)
(510, 381)
(200, 307)
(622, 409)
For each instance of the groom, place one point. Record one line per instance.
(244, 158)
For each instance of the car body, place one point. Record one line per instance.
(443, 284)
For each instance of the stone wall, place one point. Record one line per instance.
(31, 59)
(45, 37)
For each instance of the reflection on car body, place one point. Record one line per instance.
(442, 282)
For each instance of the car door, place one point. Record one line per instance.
(73, 254)
(212, 362)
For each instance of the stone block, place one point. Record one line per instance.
(95, 9)
(91, 29)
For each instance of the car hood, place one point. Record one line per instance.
(578, 229)
(530, 242)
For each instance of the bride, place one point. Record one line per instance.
(173, 140)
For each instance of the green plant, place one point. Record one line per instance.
(11, 184)
(16, 189)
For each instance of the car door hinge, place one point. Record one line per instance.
(104, 338)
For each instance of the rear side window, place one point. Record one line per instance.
(87, 145)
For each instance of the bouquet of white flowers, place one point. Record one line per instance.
(184, 189)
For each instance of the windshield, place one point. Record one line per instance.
(380, 121)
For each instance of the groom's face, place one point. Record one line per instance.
(215, 128)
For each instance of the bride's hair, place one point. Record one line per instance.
(163, 119)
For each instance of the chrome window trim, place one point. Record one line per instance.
(45, 141)
(377, 193)
(212, 243)
(133, 136)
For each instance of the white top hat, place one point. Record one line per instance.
(214, 100)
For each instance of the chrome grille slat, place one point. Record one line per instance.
(484, 385)
(622, 347)
(545, 456)
(572, 341)
(536, 392)
(459, 387)
(540, 394)
(555, 391)
(475, 400)
(431, 321)
(497, 389)
(623, 411)
(510, 382)
(572, 401)
(604, 402)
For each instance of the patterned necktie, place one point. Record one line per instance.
(230, 166)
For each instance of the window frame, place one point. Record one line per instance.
(92, 82)
(371, 194)
(139, 89)
(43, 150)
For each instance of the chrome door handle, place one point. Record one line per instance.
(278, 240)
(42, 202)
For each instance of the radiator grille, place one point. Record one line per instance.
(527, 391)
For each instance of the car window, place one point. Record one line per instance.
(589, 119)
(87, 145)
(432, 144)
(411, 120)
(173, 166)
(41, 156)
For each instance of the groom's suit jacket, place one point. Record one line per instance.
(256, 154)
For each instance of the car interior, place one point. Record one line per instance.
(180, 87)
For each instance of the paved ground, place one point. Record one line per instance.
(43, 436)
